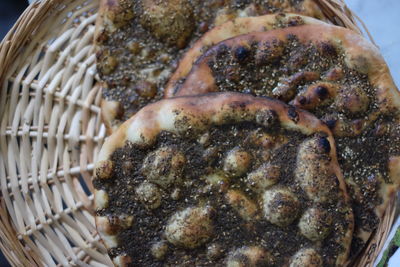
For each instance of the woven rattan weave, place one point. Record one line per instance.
(51, 132)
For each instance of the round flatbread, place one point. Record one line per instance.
(224, 179)
(230, 29)
(139, 43)
(337, 75)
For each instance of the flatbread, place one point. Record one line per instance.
(337, 75)
(139, 43)
(230, 29)
(222, 179)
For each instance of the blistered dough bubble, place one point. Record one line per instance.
(306, 257)
(352, 100)
(149, 195)
(164, 166)
(171, 20)
(191, 227)
(315, 224)
(159, 250)
(104, 169)
(313, 170)
(263, 177)
(281, 207)
(250, 256)
(237, 162)
(244, 206)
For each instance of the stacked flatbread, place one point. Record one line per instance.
(279, 145)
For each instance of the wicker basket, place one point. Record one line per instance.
(51, 132)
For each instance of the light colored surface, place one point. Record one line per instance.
(50, 135)
(381, 18)
(395, 259)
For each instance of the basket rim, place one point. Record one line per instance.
(19, 36)
(17, 247)
(19, 33)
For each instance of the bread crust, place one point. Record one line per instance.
(203, 112)
(114, 15)
(359, 55)
(231, 29)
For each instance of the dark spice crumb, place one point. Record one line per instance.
(231, 230)
(242, 53)
(293, 115)
(322, 92)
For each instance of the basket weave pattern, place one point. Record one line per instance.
(51, 132)
(50, 135)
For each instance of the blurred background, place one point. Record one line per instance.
(10, 10)
(380, 17)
